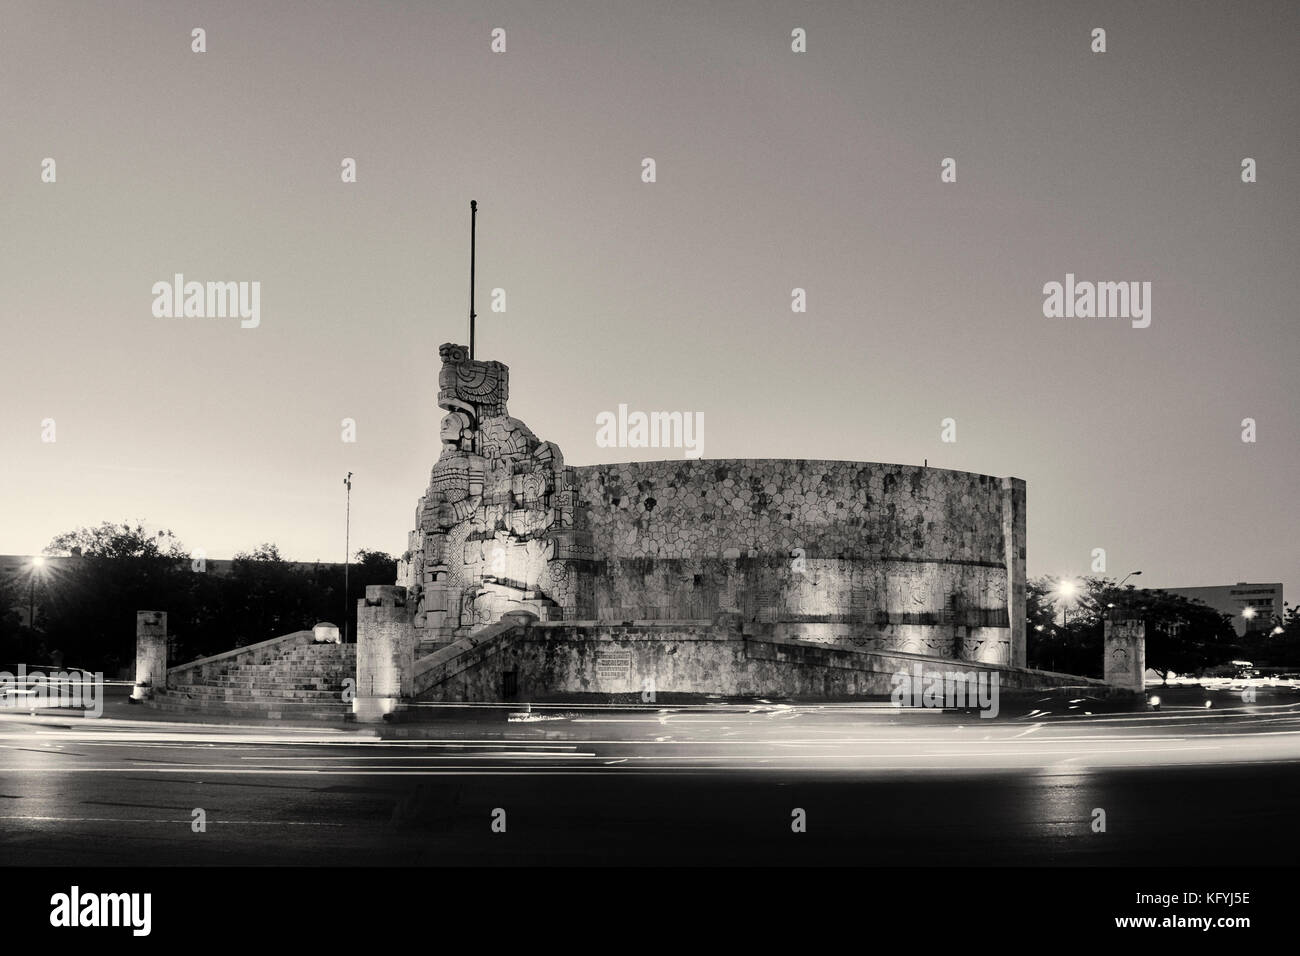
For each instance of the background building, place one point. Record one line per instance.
(1252, 606)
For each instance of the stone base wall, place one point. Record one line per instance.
(694, 660)
(943, 608)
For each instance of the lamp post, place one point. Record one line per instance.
(1120, 586)
(347, 548)
(1131, 574)
(38, 562)
(1067, 590)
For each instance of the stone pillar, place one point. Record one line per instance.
(1013, 538)
(1126, 654)
(150, 654)
(385, 652)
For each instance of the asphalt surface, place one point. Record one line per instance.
(714, 784)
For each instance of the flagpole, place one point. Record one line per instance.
(473, 227)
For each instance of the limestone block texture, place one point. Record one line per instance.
(1125, 654)
(150, 654)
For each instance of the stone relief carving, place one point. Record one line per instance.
(496, 494)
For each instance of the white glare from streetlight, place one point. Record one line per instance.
(1067, 589)
(1249, 614)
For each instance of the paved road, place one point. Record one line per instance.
(712, 784)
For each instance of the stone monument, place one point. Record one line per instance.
(1126, 653)
(483, 540)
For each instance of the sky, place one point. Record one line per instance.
(774, 170)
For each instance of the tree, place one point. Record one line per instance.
(1278, 644)
(88, 609)
(376, 567)
(1182, 635)
(17, 642)
(267, 596)
(370, 567)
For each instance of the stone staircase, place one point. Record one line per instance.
(300, 682)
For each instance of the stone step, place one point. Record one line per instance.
(274, 710)
(307, 667)
(278, 679)
(287, 672)
(273, 689)
(306, 681)
(202, 700)
(202, 691)
(263, 691)
(253, 689)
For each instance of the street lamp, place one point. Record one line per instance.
(1120, 586)
(38, 562)
(347, 545)
(1067, 590)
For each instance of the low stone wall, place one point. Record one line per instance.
(208, 668)
(470, 669)
(675, 660)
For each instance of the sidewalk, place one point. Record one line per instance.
(119, 713)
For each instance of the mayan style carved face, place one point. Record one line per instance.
(478, 387)
(456, 428)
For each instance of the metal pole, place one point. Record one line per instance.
(31, 602)
(347, 550)
(473, 228)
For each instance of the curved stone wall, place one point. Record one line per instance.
(751, 507)
(893, 557)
